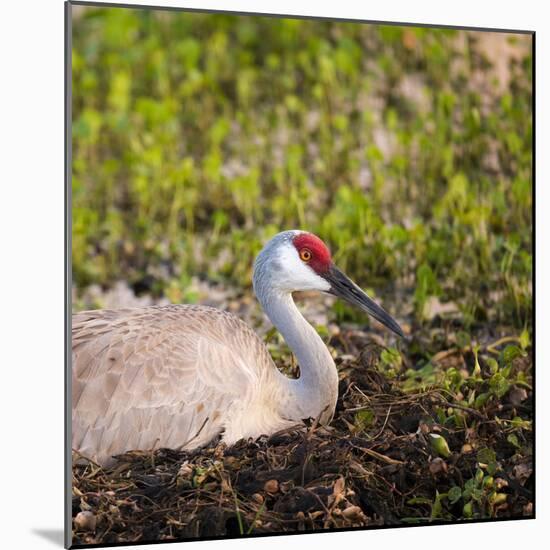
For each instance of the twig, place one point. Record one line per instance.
(195, 436)
(446, 353)
(462, 408)
(505, 340)
(86, 458)
(153, 452)
(383, 426)
(315, 423)
(378, 455)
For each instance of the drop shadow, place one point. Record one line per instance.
(56, 536)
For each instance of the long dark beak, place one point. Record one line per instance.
(343, 287)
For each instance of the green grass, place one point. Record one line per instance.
(197, 137)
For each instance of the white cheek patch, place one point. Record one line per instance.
(295, 274)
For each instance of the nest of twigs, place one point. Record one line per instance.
(309, 478)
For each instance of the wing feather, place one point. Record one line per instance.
(154, 376)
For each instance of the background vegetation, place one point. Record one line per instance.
(408, 150)
(197, 137)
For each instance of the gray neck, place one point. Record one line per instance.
(316, 390)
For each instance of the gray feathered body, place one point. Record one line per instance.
(173, 376)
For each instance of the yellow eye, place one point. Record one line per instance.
(305, 255)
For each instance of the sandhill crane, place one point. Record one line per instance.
(177, 376)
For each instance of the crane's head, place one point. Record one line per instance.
(296, 261)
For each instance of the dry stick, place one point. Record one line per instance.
(153, 451)
(383, 426)
(195, 436)
(392, 486)
(220, 500)
(348, 390)
(86, 458)
(378, 455)
(362, 393)
(288, 430)
(447, 353)
(315, 423)
(462, 408)
(505, 340)
(307, 437)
